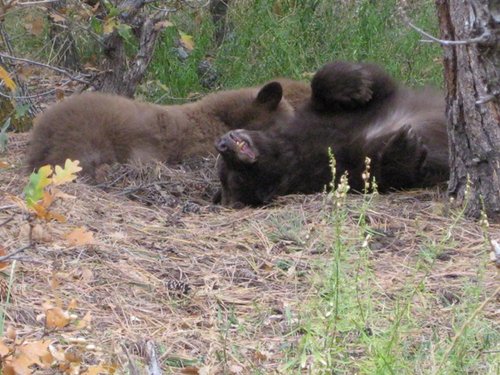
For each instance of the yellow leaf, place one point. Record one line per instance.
(80, 236)
(56, 318)
(5, 77)
(187, 41)
(44, 173)
(109, 25)
(62, 176)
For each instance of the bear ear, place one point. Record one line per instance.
(270, 95)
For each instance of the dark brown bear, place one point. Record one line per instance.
(100, 129)
(356, 110)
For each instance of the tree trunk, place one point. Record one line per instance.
(472, 81)
(121, 74)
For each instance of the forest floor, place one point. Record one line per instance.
(219, 290)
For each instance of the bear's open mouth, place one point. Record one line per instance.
(242, 145)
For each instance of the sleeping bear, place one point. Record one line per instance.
(356, 110)
(100, 129)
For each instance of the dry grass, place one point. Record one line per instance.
(215, 289)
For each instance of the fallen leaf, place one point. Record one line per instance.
(109, 25)
(85, 321)
(21, 365)
(4, 349)
(186, 41)
(57, 18)
(8, 370)
(101, 369)
(11, 333)
(41, 234)
(3, 252)
(56, 318)
(29, 354)
(57, 353)
(73, 304)
(5, 77)
(190, 370)
(162, 25)
(3, 164)
(80, 236)
(35, 26)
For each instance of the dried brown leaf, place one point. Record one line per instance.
(3, 252)
(56, 318)
(85, 321)
(80, 236)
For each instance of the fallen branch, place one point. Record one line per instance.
(9, 256)
(6, 221)
(56, 69)
(153, 365)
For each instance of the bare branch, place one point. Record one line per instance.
(29, 3)
(9, 256)
(6, 221)
(8, 207)
(153, 365)
(483, 38)
(488, 98)
(48, 92)
(59, 70)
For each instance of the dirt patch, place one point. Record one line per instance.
(214, 289)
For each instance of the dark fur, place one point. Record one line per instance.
(357, 110)
(100, 129)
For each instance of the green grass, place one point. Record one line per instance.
(294, 38)
(355, 325)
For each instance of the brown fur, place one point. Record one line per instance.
(99, 129)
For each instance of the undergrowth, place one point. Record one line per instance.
(294, 38)
(353, 324)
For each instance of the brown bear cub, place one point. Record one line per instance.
(100, 129)
(357, 111)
